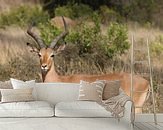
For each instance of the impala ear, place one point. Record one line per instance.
(60, 49)
(32, 48)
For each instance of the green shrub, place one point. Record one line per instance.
(48, 32)
(157, 49)
(81, 10)
(139, 10)
(64, 11)
(89, 39)
(117, 40)
(74, 11)
(108, 15)
(85, 36)
(157, 46)
(23, 15)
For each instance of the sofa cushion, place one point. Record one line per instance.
(91, 91)
(26, 109)
(80, 109)
(16, 95)
(111, 89)
(19, 84)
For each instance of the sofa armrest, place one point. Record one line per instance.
(127, 119)
(128, 111)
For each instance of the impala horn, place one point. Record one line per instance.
(38, 40)
(62, 35)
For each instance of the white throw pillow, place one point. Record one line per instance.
(19, 84)
(91, 91)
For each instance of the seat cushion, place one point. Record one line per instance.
(80, 109)
(26, 109)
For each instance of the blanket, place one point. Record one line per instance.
(116, 105)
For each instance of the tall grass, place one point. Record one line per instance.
(6, 5)
(155, 36)
(16, 60)
(16, 57)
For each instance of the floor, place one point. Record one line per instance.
(148, 126)
(142, 122)
(63, 124)
(146, 122)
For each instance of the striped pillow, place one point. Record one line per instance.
(16, 95)
(91, 91)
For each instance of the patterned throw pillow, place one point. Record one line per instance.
(16, 95)
(111, 89)
(5, 85)
(91, 91)
(19, 84)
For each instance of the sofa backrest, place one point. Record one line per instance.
(57, 92)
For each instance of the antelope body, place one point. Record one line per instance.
(49, 74)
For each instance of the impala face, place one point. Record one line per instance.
(46, 56)
(46, 53)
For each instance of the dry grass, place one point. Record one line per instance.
(6, 5)
(140, 32)
(11, 43)
(16, 60)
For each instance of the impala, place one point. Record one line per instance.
(47, 53)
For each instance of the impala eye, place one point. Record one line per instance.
(39, 55)
(52, 55)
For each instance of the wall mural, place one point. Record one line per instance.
(68, 49)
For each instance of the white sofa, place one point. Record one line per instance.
(57, 108)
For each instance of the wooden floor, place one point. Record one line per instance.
(148, 126)
(146, 122)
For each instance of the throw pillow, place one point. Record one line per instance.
(16, 95)
(111, 89)
(91, 91)
(5, 85)
(19, 84)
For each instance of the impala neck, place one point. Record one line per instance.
(50, 75)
